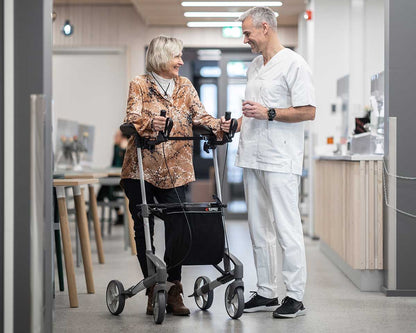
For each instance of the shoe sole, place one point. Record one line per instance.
(291, 315)
(263, 308)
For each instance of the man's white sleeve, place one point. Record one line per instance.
(300, 83)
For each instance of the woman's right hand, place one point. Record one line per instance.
(159, 123)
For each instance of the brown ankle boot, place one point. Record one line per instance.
(149, 293)
(175, 300)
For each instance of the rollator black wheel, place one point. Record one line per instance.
(115, 297)
(159, 307)
(234, 304)
(204, 301)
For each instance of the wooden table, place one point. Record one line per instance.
(81, 217)
(93, 208)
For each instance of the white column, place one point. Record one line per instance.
(8, 165)
(356, 62)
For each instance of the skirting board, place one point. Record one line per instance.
(364, 279)
(399, 292)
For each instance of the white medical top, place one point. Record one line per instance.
(283, 82)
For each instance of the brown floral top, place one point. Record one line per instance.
(185, 109)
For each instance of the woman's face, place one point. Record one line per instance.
(172, 67)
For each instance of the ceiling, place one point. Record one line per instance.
(170, 12)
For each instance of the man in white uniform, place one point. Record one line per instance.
(279, 97)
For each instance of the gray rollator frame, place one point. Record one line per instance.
(203, 290)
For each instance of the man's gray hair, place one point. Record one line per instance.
(260, 15)
(161, 50)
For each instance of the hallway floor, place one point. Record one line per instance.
(333, 303)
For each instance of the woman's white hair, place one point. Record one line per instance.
(161, 50)
(260, 15)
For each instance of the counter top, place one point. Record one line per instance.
(355, 157)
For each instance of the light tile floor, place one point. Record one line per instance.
(334, 304)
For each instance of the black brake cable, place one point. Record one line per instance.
(183, 210)
(221, 185)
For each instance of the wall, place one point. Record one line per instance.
(400, 81)
(355, 47)
(100, 100)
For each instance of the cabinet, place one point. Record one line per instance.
(348, 211)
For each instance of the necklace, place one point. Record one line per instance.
(164, 90)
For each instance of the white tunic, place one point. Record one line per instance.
(283, 82)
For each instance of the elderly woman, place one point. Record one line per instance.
(163, 89)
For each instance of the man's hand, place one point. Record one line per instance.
(158, 123)
(255, 110)
(225, 125)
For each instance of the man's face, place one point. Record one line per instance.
(253, 36)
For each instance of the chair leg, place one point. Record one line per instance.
(109, 219)
(58, 251)
(102, 219)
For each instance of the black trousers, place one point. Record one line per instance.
(133, 192)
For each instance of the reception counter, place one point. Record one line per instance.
(348, 215)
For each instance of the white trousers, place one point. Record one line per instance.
(273, 216)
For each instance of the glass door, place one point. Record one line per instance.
(232, 84)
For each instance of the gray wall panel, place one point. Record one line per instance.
(401, 96)
(31, 51)
(2, 166)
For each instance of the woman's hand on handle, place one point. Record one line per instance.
(158, 123)
(225, 125)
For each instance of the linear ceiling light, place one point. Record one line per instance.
(231, 3)
(216, 14)
(212, 24)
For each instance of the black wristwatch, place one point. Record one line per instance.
(271, 113)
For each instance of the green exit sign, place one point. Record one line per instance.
(232, 32)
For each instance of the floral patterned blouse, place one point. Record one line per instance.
(185, 109)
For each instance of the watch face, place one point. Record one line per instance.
(271, 113)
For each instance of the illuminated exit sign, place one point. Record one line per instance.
(232, 32)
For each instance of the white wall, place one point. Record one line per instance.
(336, 45)
(328, 55)
(374, 42)
(89, 88)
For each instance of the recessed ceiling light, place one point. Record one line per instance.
(231, 3)
(213, 24)
(216, 14)
(68, 28)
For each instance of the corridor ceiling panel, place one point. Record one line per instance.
(171, 12)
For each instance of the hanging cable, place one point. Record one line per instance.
(386, 199)
(396, 176)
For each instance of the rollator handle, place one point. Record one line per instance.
(164, 135)
(233, 126)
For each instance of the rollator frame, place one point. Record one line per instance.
(203, 288)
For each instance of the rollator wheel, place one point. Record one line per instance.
(234, 304)
(115, 297)
(204, 301)
(159, 307)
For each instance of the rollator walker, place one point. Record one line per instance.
(206, 239)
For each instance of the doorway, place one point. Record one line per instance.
(219, 76)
